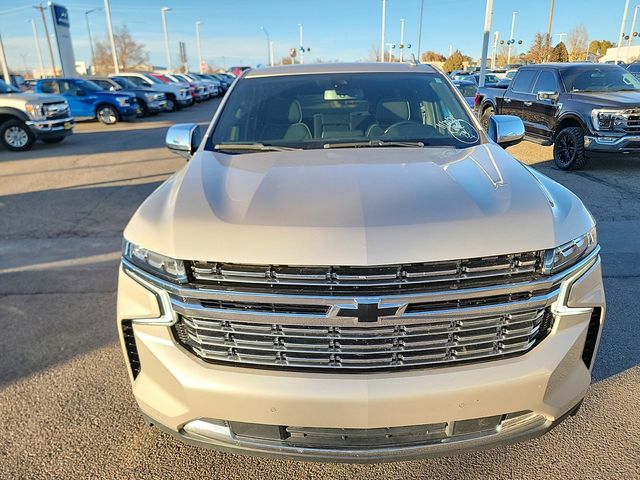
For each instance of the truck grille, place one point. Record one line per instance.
(55, 110)
(632, 121)
(424, 342)
(454, 274)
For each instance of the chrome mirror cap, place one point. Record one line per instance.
(183, 139)
(553, 96)
(506, 130)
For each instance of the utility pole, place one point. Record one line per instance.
(633, 25)
(548, 45)
(384, 12)
(37, 42)
(3, 64)
(93, 56)
(200, 59)
(401, 40)
(390, 45)
(495, 49)
(46, 34)
(164, 11)
(114, 54)
(269, 56)
(271, 61)
(420, 30)
(624, 22)
(511, 40)
(301, 29)
(488, 13)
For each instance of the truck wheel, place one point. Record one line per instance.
(16, 136)
(144, 108)
(53, 139)
(568, 149)
(107, 114)
(487, 113)
(172, 106)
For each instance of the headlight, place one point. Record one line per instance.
(570, 253)
(154, 263)
(604, 119)
(122, 101)
(36, 111)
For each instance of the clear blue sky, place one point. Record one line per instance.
(345, 30)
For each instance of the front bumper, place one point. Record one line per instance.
(174, 389)
(184, 101)
(157, 106)
(627, 144)
(60, 127)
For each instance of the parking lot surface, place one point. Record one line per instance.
(66, 406)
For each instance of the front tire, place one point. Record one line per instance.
(107, 114)
(16, 136)
(487, 113)
(172, 106)
(568, 149)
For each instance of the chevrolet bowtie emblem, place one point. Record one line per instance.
(369, 310)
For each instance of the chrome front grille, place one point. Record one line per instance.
(55, 110)
(422, 342)
(378, 279)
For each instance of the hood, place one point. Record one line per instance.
(610, 99)
(22, 98)
(368, 206)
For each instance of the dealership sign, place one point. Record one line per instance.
(60, 16)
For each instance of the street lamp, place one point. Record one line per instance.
(382, 44)
(401, 40)
(269, 47)
(511, 40)
(633, 26)
(163, 12)
(488, 13)
(93, 56)
(37, 42)
(624, 22)
(114, 54)
(200, 59)
(301, 30)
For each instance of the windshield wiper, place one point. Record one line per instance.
(374, 143)
(254, 147)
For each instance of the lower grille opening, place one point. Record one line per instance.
(592, 337)
(132, 349)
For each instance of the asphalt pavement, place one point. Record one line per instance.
(66, 408)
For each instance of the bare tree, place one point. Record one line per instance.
(130, 53)
(539, 50)
(577, 43)
(374, 53)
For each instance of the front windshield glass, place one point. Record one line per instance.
(4, 88)
(124, 83)
(153, 79)
(322, 110)
(599, 79)
(92, 87)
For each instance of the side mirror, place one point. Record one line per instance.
(553, 96)
(183, 139)
(80, 92)
(506, 130)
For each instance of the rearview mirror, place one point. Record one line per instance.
(506, 130)
(183, 139)
(553, 96)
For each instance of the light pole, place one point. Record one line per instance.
(114, 54)
(164, 11)
(496, 35)
(384, 12)
(301, 30)
(269, 48)
(401, 40)
(37, 42)
(3, 64)
(93, 56)
(633, 25)
(624, 22)
(46, 34)
(488, 13)
(559, 35)
(271, 61)
(420, 30)
(390, 45)
(200, 59)
(511, 40)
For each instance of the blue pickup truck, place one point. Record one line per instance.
(88, 100)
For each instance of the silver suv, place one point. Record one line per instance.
(350, 269)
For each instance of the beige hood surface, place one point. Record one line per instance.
(368, 206)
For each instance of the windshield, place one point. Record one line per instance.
(599, 79)
(4, 88)
(92, 87)
(124, 83)
(153, 79)
(322, 110)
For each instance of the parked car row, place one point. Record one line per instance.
(47, 108)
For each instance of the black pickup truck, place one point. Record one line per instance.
(581, 108)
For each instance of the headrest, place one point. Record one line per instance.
(392, 111)
(281, 112)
